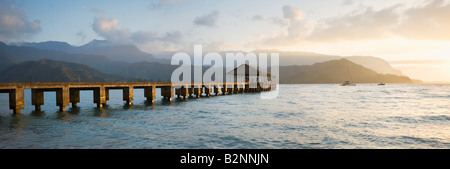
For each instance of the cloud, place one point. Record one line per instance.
(427, 22)
(109, 29)
(81, 35)
(347, 2)
(112, 31)
(292, 14)
(14, 24)
(159, 4)
(257, 18)
(279, 21)
(174, 37)
(146, 37)
(98, 11)
(359, 25)
(297, 26)
(208, 20)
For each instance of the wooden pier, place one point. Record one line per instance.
(69, 92)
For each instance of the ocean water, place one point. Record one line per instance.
(325, 116)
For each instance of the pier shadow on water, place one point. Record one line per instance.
(102, 113)
(17, 121)
(128, 107)
(38, 114)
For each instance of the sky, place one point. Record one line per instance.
(413, 35)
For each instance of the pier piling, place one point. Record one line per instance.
(167, 92)
(62, 98)
(37, 98)
(183, 92)
(74, 96)
(224, 90)
(198, 91)
(16, 99)
(207, 90)
(230, 89)
(128, 95)
(100, 96)
(150, 93)
(216, 89)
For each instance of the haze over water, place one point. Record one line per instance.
(303, 116)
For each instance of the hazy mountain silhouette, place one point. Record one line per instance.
(148, 71)
(140, 70)
(131, 54)
(299, 58)
(49, 45)
(336, 71)
(376, 64)
(115, 52)
(23, 53)
(308, 58)
(6, 61)
(153, 71)
(126, 53)
(55, 71)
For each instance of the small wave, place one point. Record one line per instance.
(416, 142)
(430, 142)
(437, 96)
(405, 119)
(203, 112)
(385, 91)
(291, 102)
(422, 119)
(234, 142)
(399, 91)
(443, 118)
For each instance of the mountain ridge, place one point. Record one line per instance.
(139, 70)
(336, 71)
(47, 70)
(132, 54)
(115, 52)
